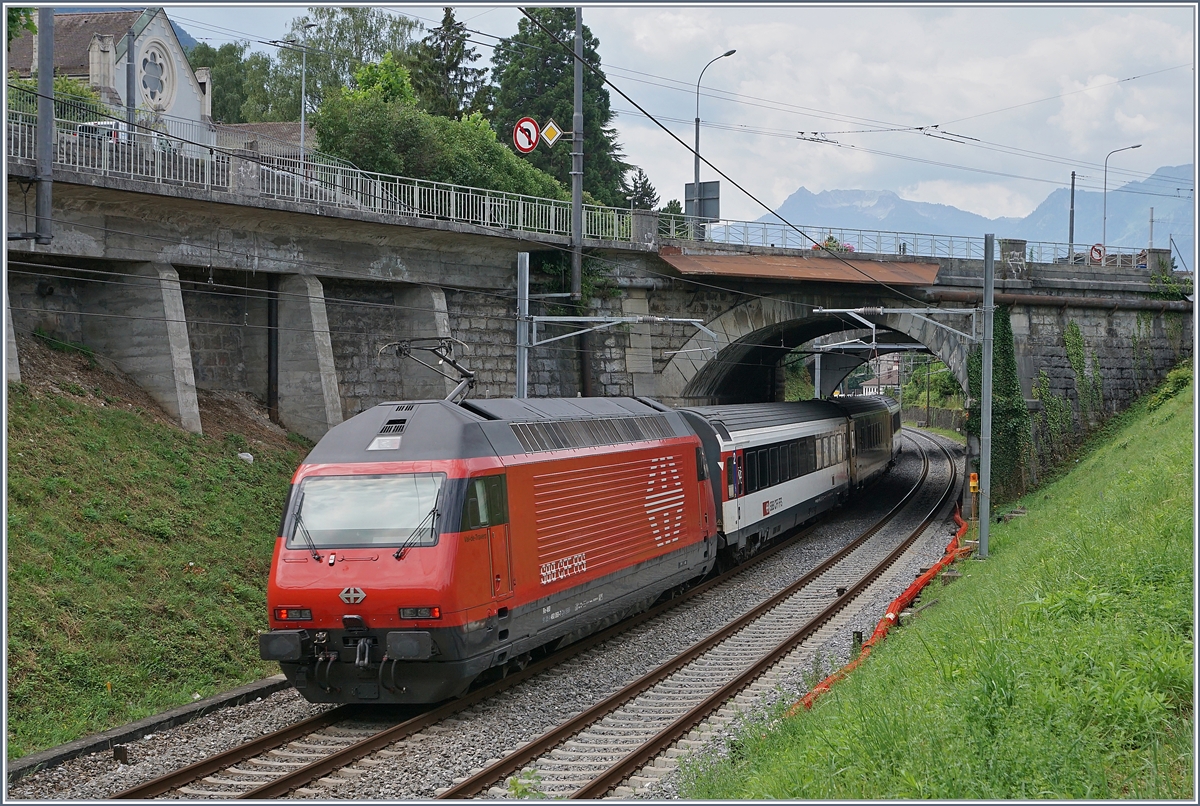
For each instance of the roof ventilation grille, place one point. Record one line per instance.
(393, 427)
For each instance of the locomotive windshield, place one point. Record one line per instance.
(367, 511)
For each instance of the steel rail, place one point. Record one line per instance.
(185, 775)
(290, 781)
(612, 777)
(166, 783)
(526, 754)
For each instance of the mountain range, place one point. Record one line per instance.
(1128, 214)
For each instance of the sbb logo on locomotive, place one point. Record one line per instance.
(771, 506)
(561, 569)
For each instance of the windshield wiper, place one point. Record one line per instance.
(416, 533)
(312, 546)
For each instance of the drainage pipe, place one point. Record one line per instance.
(273, 347)
(45, 126)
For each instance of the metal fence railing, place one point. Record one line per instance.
(191, 153)
(875, 242)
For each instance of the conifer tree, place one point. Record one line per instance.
(534, 77)
(442, 74)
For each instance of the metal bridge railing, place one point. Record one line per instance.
(189, 153)
(876, 242)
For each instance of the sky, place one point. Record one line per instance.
(835, 97)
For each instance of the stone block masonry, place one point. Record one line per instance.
(48, 302)
(365, 318)
(227, 328)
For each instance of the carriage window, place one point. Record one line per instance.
(764, 469)
(773, 464)
(751, 472)
(731, 476)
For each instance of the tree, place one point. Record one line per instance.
(340, 41)
(642, 193)
(73, 99)
(262, 102)
(444, 80)
(389, 80)
(230, 76)
(18, 20)
(534, 77)
(673, 207)
(376, 125)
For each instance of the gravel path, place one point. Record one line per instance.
(488, 730)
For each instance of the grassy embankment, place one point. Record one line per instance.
(137, 564)
(1060, 668)
(955, 436)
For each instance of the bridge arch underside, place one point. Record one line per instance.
(754, 337)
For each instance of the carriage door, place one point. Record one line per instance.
(853, 454)
(496, 496)
(739, 490)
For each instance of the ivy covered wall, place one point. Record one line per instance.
(1011, 434)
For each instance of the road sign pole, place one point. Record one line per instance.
(522, 325)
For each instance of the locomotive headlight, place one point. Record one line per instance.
(293, 614)
(420, 612)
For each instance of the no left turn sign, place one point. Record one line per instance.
(525, 135)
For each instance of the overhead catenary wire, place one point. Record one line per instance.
(707, 162)
(878, 125)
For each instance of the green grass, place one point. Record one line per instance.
(1061, 667)
(137, 565)
(960, 438)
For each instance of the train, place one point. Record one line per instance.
(426, 546)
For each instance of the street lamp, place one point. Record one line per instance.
(1104, 219)
(696, 209)
(304, 88)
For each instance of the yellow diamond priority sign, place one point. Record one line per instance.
(551, 132)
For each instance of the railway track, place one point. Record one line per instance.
(291, 759)
(595, 752)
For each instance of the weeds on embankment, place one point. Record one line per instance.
(1061, 667)
(137, 565)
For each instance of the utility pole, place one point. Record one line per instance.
(1071, 229)
(45, 127)
(1151, 244)
(130, 86)
(985, 425)
(577, 167)
(585, 352)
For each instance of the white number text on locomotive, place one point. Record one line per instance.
(561, 569)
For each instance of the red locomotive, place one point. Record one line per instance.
(427, 544)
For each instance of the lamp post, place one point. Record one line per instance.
(697, 187)
(1104, 218)
(304, 88)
